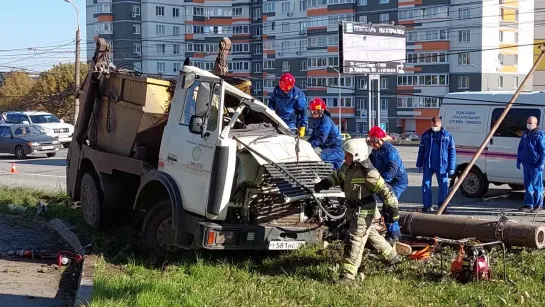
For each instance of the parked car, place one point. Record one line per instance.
(24, 140)
(409, 136)
(46, 122)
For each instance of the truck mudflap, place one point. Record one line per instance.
(214, 236)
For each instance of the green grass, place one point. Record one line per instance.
(298, 278)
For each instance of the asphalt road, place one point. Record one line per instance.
(49, 174)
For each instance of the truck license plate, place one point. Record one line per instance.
(285, 245)
(48, 147)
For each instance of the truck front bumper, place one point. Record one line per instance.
(214, 236)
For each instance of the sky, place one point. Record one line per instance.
(46, 26)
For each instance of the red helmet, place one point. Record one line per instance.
(376, 133)
(287, 82)
(317, 104)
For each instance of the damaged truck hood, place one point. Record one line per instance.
(279, 149)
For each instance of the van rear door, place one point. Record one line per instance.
(501, 156)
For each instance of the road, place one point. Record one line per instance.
(49, 174)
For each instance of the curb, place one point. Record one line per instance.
(87, 267)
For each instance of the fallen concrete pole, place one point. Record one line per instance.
(510, 232)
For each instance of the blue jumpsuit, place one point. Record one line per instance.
(388, 163)
(436, 155)
(291, 107)
(326, 136)
(531, 153)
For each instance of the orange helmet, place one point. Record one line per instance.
(287, 82)
(376, 133)
(317, 104)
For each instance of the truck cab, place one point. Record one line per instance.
(219, 170)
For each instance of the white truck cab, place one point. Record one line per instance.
(47, 122)
(469, 116)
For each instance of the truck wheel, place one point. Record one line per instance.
(475, 184)
(516, 187)
(90, 201)
(157, 231)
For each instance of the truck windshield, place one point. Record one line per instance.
(44, 118)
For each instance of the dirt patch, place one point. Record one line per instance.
(32, 282)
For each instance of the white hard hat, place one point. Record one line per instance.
(358, 148)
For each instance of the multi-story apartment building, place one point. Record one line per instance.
(301, 37)
(539, 30)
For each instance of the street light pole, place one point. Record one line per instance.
(339, 90)
(77, 64)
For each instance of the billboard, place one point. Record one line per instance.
(366, 48)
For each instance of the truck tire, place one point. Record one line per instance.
(157, 226)
(475, 184)
(90, 201)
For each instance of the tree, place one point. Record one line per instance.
(15, 90)
(54, 90)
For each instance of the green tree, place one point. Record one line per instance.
(16, 90)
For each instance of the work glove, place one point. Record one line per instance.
(302, 131)
(451, 173)
(393, 231)
(324, 184)
(518, 165)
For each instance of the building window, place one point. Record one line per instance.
(198, 11)
(237, 11)
(285, 27)
(362, 2)
(422, 80)
(383, 1)
(463, 13)
(362, 84)
(500, 82)
(160, 29)
(384, 18)
(175, 12)
(463, 82)
(160, 11)
(464, 58)
(514, 124)
(161, 48)
(268, 7)
(175, 30)
(257, 67)
(268, 64)
(384, 104)
(464, 36)
(136, 10)
(176, 67)
(516, 82)
(302, 5)
(285, 66)
(161, 66)
(303, 64)
(383, 83)
(362, 18)
(135, 29)
(286, 7)
(137, 48)
(176, 49)
(419, 102)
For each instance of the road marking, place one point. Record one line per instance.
(33, 174)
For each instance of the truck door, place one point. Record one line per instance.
(501, 157)
(186, 154)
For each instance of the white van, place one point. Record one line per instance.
(469, 116)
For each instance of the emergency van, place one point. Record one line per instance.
(469, 117)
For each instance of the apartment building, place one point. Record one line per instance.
(301, 37)
(539, 30)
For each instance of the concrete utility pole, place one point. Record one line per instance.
(77, 64)
(339, 89)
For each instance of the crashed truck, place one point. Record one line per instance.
(199, 162)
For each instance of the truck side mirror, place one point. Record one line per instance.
(195, 124)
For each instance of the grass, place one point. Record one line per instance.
(298, 278)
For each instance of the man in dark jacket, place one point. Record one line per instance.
(436, 155)
(531, 154)
(290, 104)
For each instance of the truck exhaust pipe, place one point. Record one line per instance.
(511, 233)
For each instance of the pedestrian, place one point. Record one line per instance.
(436, 155)
(387, 160)
(360, 182)
(531, 154)
(290, 104)
(325, 138)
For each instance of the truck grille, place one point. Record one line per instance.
(308, 173)
(61, 130)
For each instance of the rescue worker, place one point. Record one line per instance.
(387, 160)
(360, 181)
(290, 104)
(531, 154)
(325, 137)
(436, 155)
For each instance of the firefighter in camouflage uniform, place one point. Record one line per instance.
(360, 181)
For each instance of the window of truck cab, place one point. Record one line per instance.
(196, 102)
(514, 124)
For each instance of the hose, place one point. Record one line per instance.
(281, 169)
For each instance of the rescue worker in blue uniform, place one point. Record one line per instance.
(531, 154)
(290, 104)
(325, 138)
(436, 155)
(386, 159)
